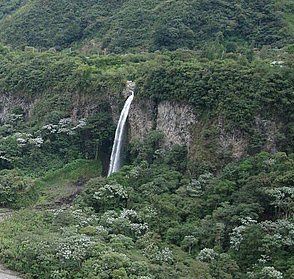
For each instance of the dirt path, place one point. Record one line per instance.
(5, 273)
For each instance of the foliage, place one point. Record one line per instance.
(230, 89)
(120, 26)
(54, 244)
(147, 218)
(241, 106)
(16, 190)
(197, 212)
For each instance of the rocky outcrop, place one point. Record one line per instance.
(9, 104)
(141, 119)
(175, 120)
(130, 89)
(141, 115)
(84, 105)
(116, 102)
(178, 123)
(269, 129)
(232, 142)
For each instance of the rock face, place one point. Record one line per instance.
(83, 106)
(116, 102)
(269, 129)
(130, 88)
(175, 120)
(180, 125)
(8, 103)
(232, 141)
(141, 119)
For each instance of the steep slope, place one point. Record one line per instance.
(236, 107)
(8, 7)
(206, 190)
(120, 26)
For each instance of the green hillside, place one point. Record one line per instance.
(122, 26)
(216, 73)
(206, 215)
(9, 7)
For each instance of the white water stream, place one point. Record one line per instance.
(115, 160)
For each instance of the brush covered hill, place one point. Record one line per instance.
(169, 212)
(165, 214)
(136, 25)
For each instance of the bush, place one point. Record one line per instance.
(16, 190)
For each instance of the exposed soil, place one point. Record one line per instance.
(65, 199)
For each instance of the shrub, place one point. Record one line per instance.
(15, 190)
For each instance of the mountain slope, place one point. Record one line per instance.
(120, 26)
(207, 186)
(9, 7)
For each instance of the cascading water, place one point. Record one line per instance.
(115, 159)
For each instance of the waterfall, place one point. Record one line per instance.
(115, 159)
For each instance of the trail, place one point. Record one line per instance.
(4, 272)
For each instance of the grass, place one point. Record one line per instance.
(60, 185)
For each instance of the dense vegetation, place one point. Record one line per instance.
(152, 221)
(120, 26)
(208, 211)
(239, 90)
(165, 215)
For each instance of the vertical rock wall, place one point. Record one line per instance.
(8, 103)
(141, 119)
(176, 121)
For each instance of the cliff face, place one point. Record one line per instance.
(174, 119)
(141, 119)
(74, 105)
(180, 125)
(10, 104)
(178, 122)
(270, 129)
